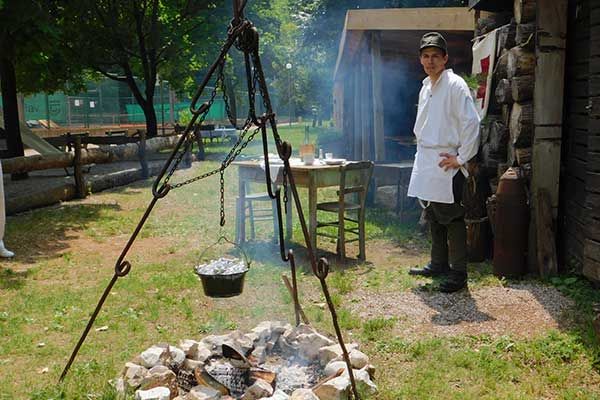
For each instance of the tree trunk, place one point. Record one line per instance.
(151, 122)
(11, 107)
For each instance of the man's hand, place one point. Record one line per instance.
(448, 162)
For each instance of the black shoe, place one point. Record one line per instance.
(455, 281)
(430, 270)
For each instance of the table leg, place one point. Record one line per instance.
(312, 214)
(288, 218)
(240, 236)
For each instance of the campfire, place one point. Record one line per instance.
(273, 361)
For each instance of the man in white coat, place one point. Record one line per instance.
(447, 131)
(4, 252)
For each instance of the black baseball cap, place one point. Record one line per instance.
(433, 39)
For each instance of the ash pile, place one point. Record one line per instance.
(274, 361)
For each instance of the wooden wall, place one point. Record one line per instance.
(572, 211)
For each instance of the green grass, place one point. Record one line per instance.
(66, 256)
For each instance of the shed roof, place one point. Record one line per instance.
(401, 28)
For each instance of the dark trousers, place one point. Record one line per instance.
(448, 229)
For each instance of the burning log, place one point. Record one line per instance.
(265, 375)
(290, 289)
(205, 379)
(329, 378)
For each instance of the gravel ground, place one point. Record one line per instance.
(519, 310)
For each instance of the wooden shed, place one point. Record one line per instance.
(378, 75)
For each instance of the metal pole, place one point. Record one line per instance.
(162, 107)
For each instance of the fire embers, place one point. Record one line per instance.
(274, 361)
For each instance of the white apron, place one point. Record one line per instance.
(428, 181)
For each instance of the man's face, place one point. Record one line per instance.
(433, 60)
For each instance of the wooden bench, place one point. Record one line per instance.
(78, 141)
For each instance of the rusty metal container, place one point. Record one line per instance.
(511, 225)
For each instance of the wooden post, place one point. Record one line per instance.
(356, 132)
(78, 169)
(366, 106)
(378, 120)
(546, 240)
(548, 112)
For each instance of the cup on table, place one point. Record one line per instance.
(328, 156)
(308, 159)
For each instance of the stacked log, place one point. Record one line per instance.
(524, 11)
(525, 35)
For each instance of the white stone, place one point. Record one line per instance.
(161, 376)
(240, 341)
(278, 395)
(333, 367)
(153, 356)
(303, 394)
(203, 393)
(310, 344)
(291, 335)
(157, 393)
(335, 389)
(120, 386)
(363, 381)
(177, 356)
(134, 374)
(189, 347)
(258, 390)
(260, 353)
(329, 353)
(358, 359)
(214, 343)
(263, 331)
(286, 348)
(191, 365)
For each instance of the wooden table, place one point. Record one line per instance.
(311, 177)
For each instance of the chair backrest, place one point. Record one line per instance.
(354, 178)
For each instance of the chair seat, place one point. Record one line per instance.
(258, 197)
(334, 206)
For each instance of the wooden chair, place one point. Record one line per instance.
(354, 182)
(255, 207)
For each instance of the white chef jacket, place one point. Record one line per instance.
(447, 122)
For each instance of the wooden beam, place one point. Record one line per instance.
(378, 116)
(548, 98)
(411, 19)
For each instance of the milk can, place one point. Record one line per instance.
(511, 223)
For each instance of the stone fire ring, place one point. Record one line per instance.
(273, 361)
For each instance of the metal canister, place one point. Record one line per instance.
(511, 225)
